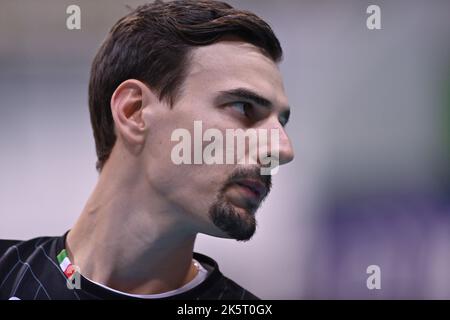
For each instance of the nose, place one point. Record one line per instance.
(286, 151)
(279, 145)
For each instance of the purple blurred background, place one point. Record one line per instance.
(370, 127)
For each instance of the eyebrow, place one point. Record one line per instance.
(250, 95)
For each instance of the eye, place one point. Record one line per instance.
(242, 107)
(284, 118)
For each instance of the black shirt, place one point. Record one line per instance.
(29, 270)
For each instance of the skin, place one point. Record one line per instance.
(137, 230)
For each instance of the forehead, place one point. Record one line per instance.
(228, 65)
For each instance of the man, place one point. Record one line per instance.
(164, 67)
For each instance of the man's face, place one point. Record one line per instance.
(220, 89)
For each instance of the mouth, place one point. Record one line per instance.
(253, 189)
(245, 189)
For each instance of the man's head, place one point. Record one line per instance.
(165, 66)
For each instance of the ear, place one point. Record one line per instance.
(127, 102)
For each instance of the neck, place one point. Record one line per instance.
(135, 246)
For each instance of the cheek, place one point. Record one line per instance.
(190, 187)
(196, 185)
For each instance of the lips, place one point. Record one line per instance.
(257, 188)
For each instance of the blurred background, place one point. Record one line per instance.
(370, 184)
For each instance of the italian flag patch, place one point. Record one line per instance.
(65, 264)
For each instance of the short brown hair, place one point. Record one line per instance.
(152, 43)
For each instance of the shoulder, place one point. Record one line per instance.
(22, 247)
(220, 287)
(6, 244)
(18, 261)
(233, 291)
